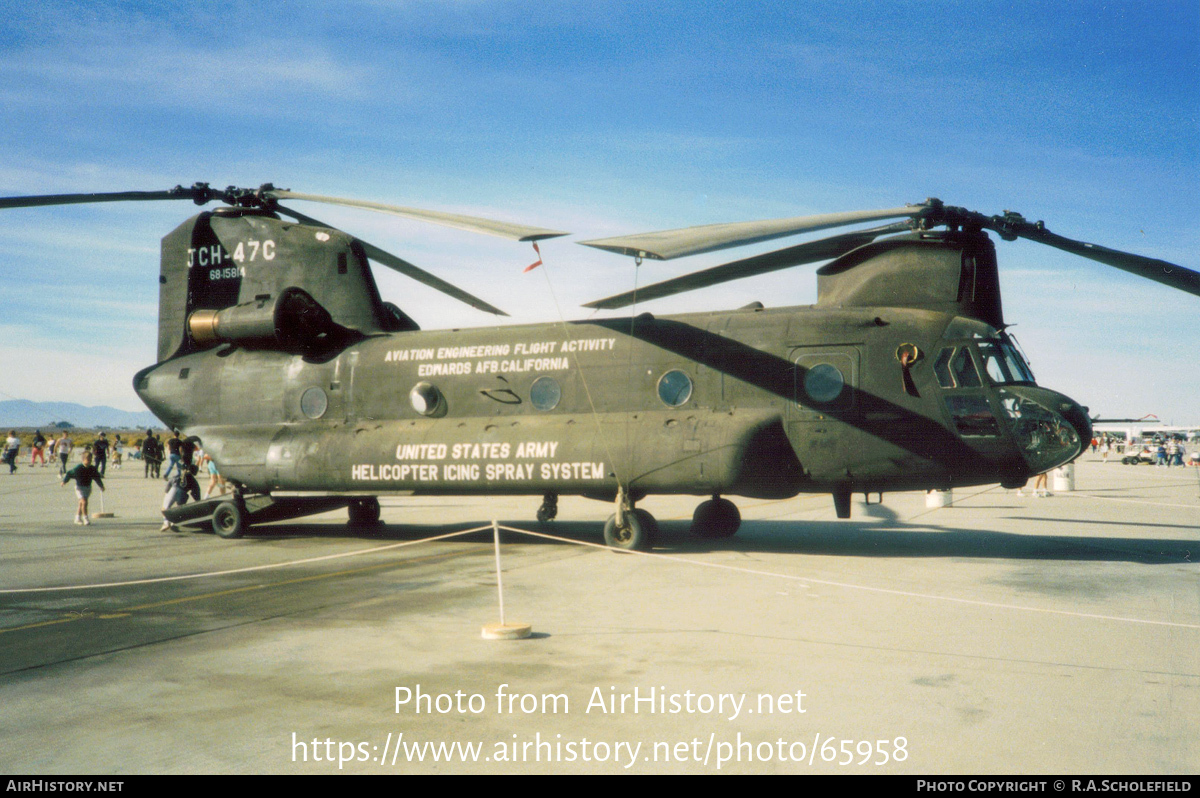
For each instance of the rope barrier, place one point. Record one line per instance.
(651, 555)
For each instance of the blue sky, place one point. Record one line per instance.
(606, 118)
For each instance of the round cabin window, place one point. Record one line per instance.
(545, 393)
(425, 398)
(674, 388)
(824, 383)
(314, 403)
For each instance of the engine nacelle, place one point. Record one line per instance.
(291, 322)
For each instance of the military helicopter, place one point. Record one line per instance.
(277, 353)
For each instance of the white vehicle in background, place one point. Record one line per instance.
(1139, 454)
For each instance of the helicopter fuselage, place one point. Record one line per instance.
(763, 403)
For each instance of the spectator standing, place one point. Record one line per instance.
(39, 449)
(174, 455)
(100, 453)
(12, 445)
(215, 480)
(62, 450)
(152, 454)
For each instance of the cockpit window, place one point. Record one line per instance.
(941, 368)
(955, 369)
(963, 369)
(1002, 362)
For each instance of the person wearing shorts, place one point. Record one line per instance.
(84, 475)
(215, 480)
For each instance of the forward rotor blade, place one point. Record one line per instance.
(475, 224)
(813, 251)
(668, 244)
(1151, 268)
(176, 193)
(404, 267)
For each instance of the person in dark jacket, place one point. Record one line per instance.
(100, 453)
(12, 445)
(152, 454)
(84, 475)
(179, 488)
(174, 455)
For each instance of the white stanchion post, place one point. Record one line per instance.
(939, 498)
(503, 630)
(102, 514)
(1064, 478)
(499, 576)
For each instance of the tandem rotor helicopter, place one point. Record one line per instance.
(310, 392)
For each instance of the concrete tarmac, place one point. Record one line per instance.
(1004, 634)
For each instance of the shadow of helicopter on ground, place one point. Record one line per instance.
(883, 536)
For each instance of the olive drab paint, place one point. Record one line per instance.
(742, 415)
(310, 392)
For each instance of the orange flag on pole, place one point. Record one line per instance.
(537, 262)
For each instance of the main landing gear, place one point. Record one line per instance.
(364, 512)
(629, 528)
(635, 529)
(549, 509)
(716, 518)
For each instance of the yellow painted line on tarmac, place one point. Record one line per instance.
(36, 625)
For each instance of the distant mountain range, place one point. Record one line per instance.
(24, 413)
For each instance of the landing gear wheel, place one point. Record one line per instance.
(229, 521)
(364, 512)
(716, 518)
(634, 534)
(650, 523)
(549, 509)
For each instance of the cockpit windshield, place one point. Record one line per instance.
(1002, 362)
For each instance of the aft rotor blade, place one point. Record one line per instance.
(813, 251)
(475, 224)
(420, 275)
(176, 193)
(1151, 268)
(668, 244)
(404, 267)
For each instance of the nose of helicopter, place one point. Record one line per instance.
(1050, 429)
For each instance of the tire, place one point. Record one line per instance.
(229, 520)
(364, 512)
(650, 523)
(716, 518)
(633, 536)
